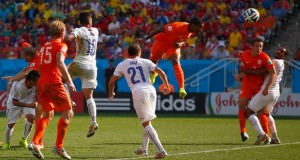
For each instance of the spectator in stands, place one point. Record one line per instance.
(32, 11)
(211, 45)
(235, 38)
(297, 54)
(114, 25)
(162, 18)
(220, 52)
(4, 11)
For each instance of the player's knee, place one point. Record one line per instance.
(10, 126)
(30, 118)
(249, 112)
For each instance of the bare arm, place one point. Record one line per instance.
(164, 78)
(111, 86)
(23, 104)
(63, 69)
(262, 71)
(70, 37)
(271, 81)
(152, 34)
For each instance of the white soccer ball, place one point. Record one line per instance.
(251, 15)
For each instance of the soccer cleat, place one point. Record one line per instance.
(23, 143)
(153, 77)
(267, 141)
(5, 146)
(35, 151)
(141, 152)
(275, 141)
(244, 136)
(260, 139)
(92, 129)
(182, 93)
(61, 152)
(161, 155)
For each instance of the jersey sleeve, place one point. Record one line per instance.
(77, 32)
(268, 62)
(16, 92)
(62, 48)
(151, 65)
(118, 71)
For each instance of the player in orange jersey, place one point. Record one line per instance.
(254, 59)
(169, 39)
(52, 94)
(32, 57)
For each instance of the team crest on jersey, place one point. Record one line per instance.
(259, 62)
(32, 64)
(270, 61)
(169, 28)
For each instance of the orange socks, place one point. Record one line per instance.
(62, 128)
(179, 75)
(242, 120)
(264, 123)
(40, 126)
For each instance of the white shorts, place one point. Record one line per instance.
(14, 113)
(260, 101)
(86, 73)
(144, 102)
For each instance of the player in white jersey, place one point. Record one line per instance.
(265, 100)
(84, 64)
(137, 71)
(21, 99)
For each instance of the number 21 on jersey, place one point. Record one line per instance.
(137, 74)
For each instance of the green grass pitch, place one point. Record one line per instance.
(185, 137)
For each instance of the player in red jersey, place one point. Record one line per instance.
(31, 56)
(254, 59)
(169, 39)
(52, 95)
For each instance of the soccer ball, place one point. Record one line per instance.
(251, 15)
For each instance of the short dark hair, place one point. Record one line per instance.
(134, 49)
(196, 21)
(258, 40)
(33, 76)
(84, 18)
(29, 51)
(111, 60)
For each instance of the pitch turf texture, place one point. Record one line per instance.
(184, 137)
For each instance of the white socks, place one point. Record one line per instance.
(27, 129)
(255, 124)
(154, 138)
(91, 105)
(145, 140)
(272, 127)
(8, 134)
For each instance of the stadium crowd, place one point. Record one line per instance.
(121, 21)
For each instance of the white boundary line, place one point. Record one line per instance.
(216, 150)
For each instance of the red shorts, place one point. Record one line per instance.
(158, 49)
(249, 89)
(53, 97)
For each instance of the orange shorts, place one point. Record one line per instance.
(158, 49)
(249, 89)
(53, 97)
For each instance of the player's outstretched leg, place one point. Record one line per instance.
(61, 152)
(35, 151)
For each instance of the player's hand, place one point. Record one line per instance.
(111, 96)
(139, 40)
(71, 86)
(166, 90)
(240, 75)
(265, 92)
(6, 78)
(179, 44)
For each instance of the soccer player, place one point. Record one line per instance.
(22, 99)
(32, 57)
(265, 100)
(169, 39)
(136, 71)
(254, 59)
(52, 94)
(84, 64)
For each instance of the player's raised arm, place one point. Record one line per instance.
(152, 34)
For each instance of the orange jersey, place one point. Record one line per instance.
(34, 64)
(255, 62)
(48, 64)
(174, 32)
